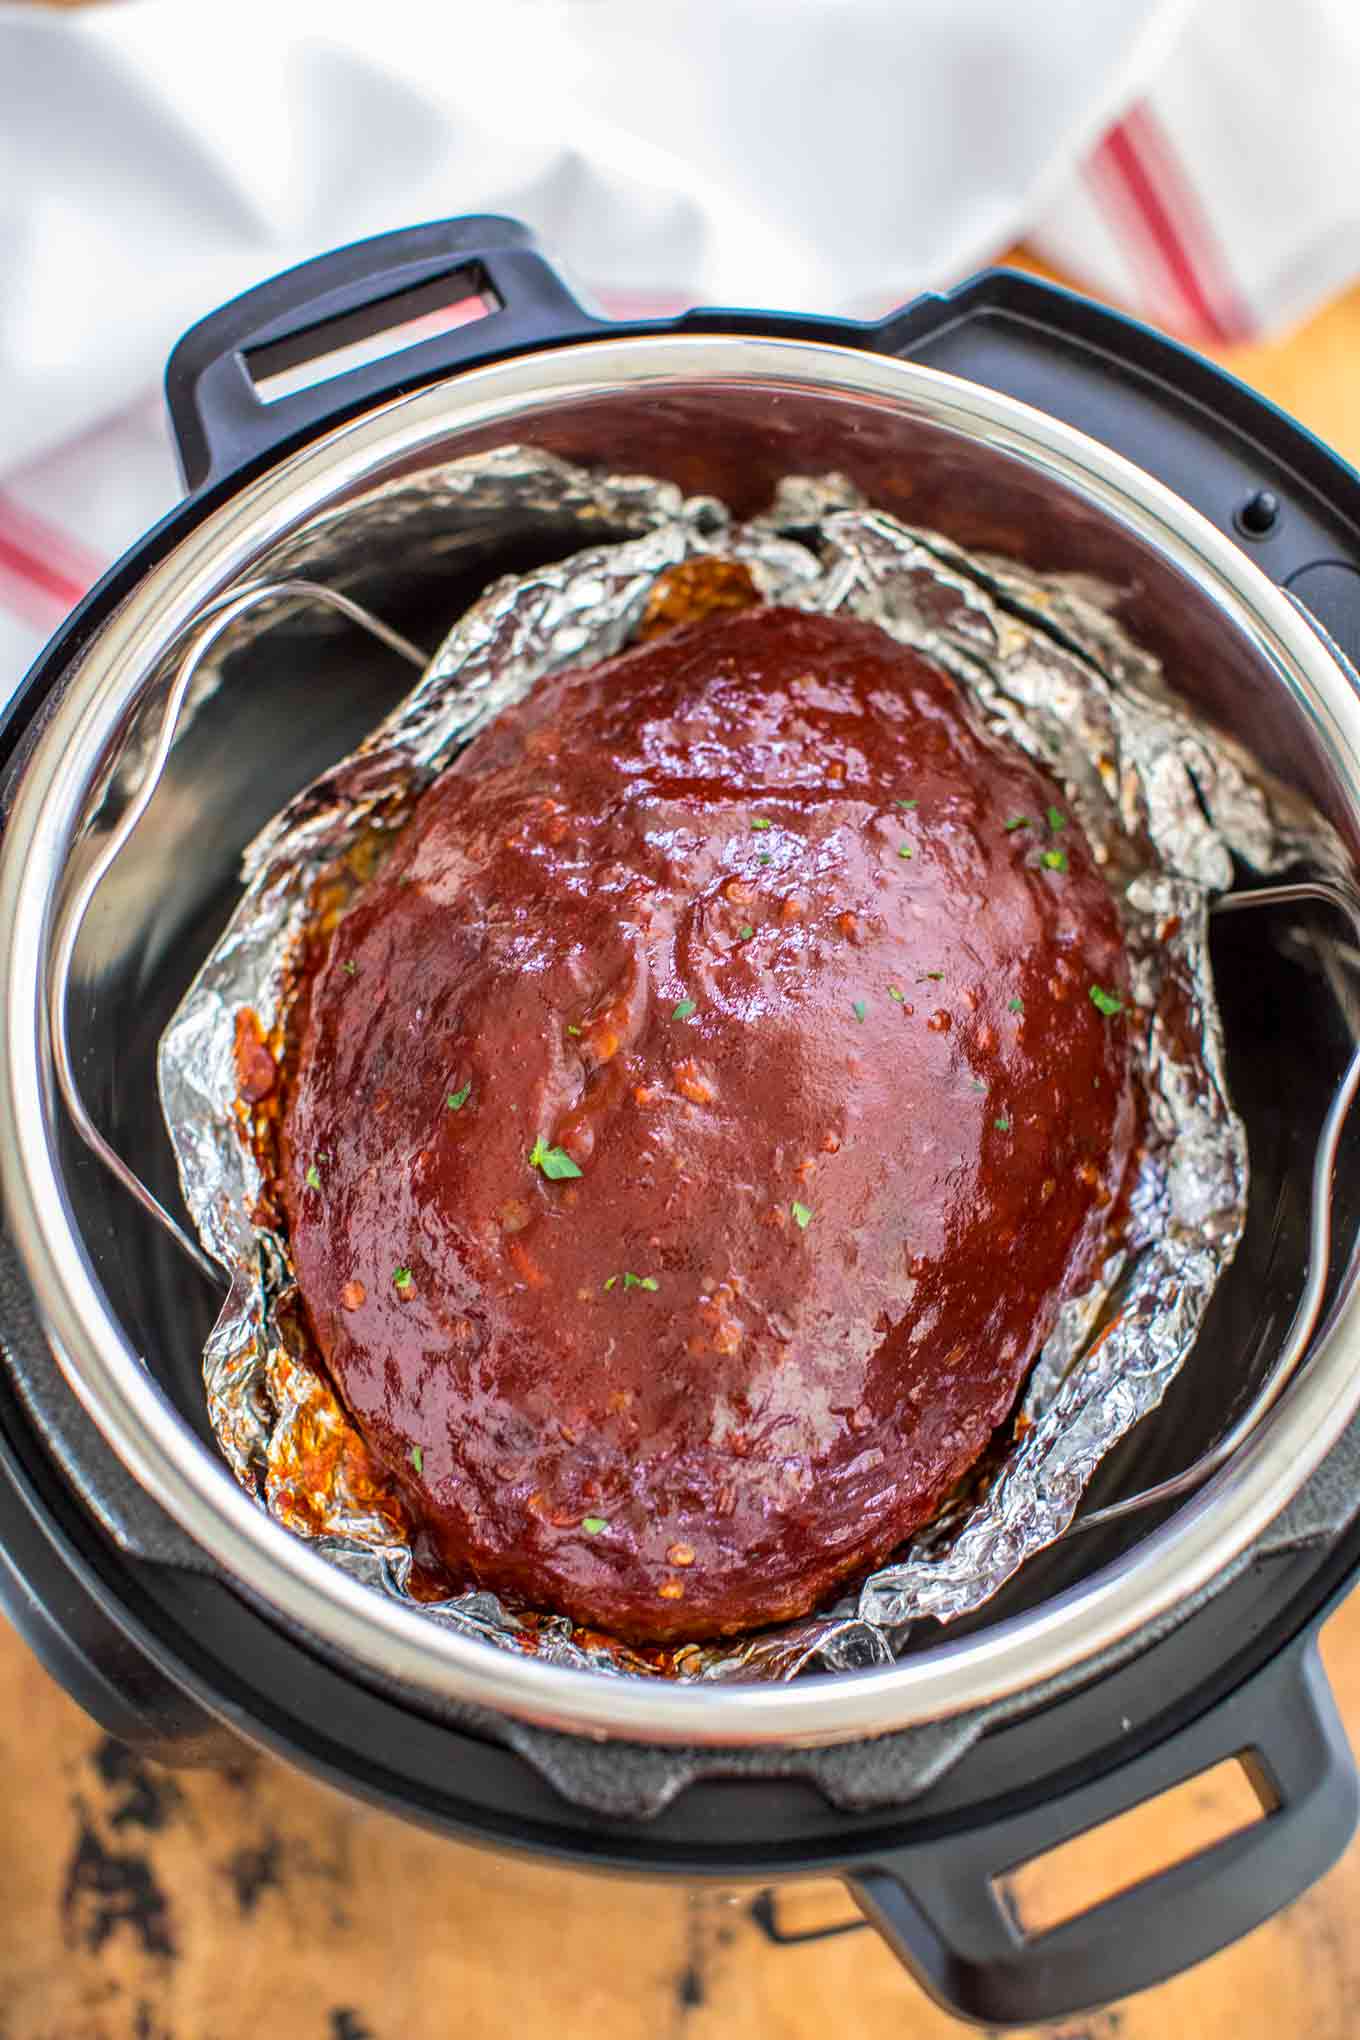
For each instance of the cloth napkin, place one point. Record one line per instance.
(1194, 158)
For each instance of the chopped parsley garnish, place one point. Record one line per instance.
(895, 993)
(761, 823)
(802, 1216)
(571, 1029)
(685, 1008)
(1054, 860)
(593, 1525)
(402, 1279)
(1106, 1002)
(906, 803)
(1002, 1125)
(904, 850)
(1018, 822)
(765, 857)
(313, 1176)
(611, 1281)
(456, 1100)
(417, 1458)
(631, 1281)
(1056, 819)
(555, 1162)
(1015, 1005)
(745, 932)
(350, 967)
(859, 1009)
(933, 975)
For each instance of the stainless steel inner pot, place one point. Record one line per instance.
(723, 413)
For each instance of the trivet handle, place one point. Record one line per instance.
(487, 276)
(939, 1908)
(210, 625)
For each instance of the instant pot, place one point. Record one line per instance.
(1139, 1650)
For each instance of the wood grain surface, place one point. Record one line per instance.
(140, 1905)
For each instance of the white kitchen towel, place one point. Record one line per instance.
(819, 154)
(1226, 202)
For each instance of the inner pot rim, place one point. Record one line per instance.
(195, 1486)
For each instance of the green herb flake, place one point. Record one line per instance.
(745, 932)
(1015, 1005)
(904, 850)
(765, 857)
(761, 823)
(934, 975)
(908, 804)
(417, 1458)
(593, 1525)
(1054, 860)
(1002, 1125)
(571, 1029)
(859, 1009)
(456, 1100)
(631, 1281)
(350, 967)
(313, 1176)
(555, 1162)
(894, 992)
(802, 1216)
(1056, 819)
(1106, 1002)
(402, 1279)
(1018, 822)
(612, 1280)
(685, 1008)
(650, 1282)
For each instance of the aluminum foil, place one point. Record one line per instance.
(1167, 806)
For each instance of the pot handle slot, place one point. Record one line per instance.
(939, 1907)
(450, 295)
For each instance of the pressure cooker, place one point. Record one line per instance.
(1020, 420)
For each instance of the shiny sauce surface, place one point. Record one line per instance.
(700, 1118)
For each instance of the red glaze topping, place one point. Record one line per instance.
(732, 925)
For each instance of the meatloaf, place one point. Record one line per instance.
(700, 1118)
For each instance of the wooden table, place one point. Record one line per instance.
(137, 1905)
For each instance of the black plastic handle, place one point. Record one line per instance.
(1216, 443)
(220, 419)
(940, 1910)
